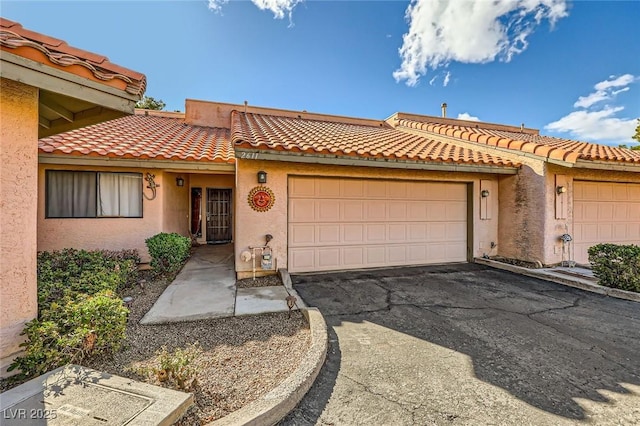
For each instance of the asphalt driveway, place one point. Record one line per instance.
(467, 344)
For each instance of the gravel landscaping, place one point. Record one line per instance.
(242, 358)
(266, 281)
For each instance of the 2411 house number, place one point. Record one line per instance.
(249, 155)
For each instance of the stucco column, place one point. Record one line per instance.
(18, 213)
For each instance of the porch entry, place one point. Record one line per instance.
(219, 218)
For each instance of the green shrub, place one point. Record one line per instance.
(71, 331)
(616, 266)
(79, 311)
(70, 272)
(168, 251)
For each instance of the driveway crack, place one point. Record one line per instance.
(386, 398)
(575, 304)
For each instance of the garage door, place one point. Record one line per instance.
(351, 223)
(604, 213)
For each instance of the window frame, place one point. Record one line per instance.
(97, 183)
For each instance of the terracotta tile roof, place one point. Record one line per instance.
(527, 141)
(281, 133)
(144, 137)
(58, 54)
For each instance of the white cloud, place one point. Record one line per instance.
(623, 80)
(596, 125)
(442, 31)
(216, 5)
(599, 124)
(279, 8)
(604, 90)
(433, 80)
(447, 77)
(590, 99)
(468, 117)
(624, 89)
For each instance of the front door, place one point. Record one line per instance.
(219, 222)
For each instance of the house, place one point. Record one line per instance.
(586, 190)
(46, 87)
(95, 183)
(339, 192)
(317, 192)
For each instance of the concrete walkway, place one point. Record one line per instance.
(206, 288)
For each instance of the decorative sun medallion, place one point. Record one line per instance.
(261, 198)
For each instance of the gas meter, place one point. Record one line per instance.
(267, 261)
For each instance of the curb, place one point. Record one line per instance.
(575, 282)
(275, 405)
(288, 285)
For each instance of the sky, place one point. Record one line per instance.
(568, 68)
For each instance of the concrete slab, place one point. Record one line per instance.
(258, 300)
(74, 395)
(577, 271)
(204, 289)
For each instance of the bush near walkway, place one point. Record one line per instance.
(168, 251)
(79, 311)
(616, 266)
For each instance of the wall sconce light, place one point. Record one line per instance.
(262, 177)
(484, 193)
(179, 181)
(561, 189)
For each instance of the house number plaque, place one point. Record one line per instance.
(261, 198)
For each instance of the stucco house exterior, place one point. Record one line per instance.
(342, 192)
(181, 160)
(586, 190)
(46, 87)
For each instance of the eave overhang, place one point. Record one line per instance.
(336, 160)
(167, 165)
(67, 101)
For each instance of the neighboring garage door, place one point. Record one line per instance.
(604, 213)
(354, 223)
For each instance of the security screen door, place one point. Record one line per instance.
(219, 220)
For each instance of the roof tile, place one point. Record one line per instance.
(530, 142)
(144, 137)
(54, 52)
(273, 132)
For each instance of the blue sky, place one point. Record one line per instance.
(570, 69)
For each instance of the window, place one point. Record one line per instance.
(93, 194)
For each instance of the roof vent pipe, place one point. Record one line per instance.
(444, 109)
(522, 127)
(245, 106)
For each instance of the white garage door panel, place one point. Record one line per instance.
(349, 223)
(604, 213)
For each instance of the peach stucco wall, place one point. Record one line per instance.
(103, 233)
(556, 227)
(252, 226)
(530, 229)
(176, 204)
(523, 211)
(205, 181)
(18, 206)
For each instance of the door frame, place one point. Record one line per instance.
(230, 215)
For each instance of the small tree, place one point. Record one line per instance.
(148, 102)
(637, 135)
